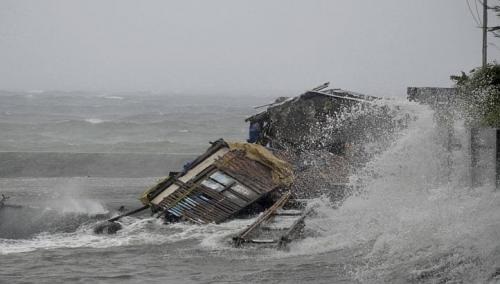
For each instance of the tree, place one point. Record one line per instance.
(495, 29)
(479, 95)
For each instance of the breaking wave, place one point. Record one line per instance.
(66, 218)
(417, 215)
(82, 236)
(94, 120)
(136, 231)
(64, 214)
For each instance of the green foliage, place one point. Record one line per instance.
(460, 79)
(479, 95)
(495, 30)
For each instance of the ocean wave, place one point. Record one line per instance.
(135, 231)
(412, 216)
(53, 164)
(113, 97)
(94, 120)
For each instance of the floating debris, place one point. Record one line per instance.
(3, 205)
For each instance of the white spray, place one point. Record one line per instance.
(414, 212)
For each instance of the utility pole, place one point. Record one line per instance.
(485, 32)
(485, 61)
(498, 161)
(474, 131)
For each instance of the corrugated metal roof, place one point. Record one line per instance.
(333, 93)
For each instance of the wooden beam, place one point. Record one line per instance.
(242, 237)
(286, 237)
(129, 213)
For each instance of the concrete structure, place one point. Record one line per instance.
(483, 143)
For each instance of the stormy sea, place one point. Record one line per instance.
(71, 160)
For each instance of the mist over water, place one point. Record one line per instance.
(411, 217)
(60, 134)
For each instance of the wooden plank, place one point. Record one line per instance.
(286, 237)
(196, 212)
(194, 172)
(220, 207)
(242, 237)
(183, 198)
(219, 198)
(241, 196)
(215, 210)
(289, 212)
(120, 216)
(248, 172)
(206, 209)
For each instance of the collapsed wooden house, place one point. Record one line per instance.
(226, 180)
(322, 132)
(305, 122)
(326, 134)
(230, 179)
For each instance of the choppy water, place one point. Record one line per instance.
(414, 220)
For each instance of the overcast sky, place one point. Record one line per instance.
(236, 47)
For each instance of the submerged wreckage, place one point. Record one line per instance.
(265, 175)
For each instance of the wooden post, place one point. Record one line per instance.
(449, 150)
(474, 133)
(498, 160)
(485, 32)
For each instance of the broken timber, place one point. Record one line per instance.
(256, 232)
(242, 237)
(129, 213)
(288, 236)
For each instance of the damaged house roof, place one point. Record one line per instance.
(295, 123)
(320, 91)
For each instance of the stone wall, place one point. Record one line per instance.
(482, 142)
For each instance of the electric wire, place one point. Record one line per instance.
(477, 13)
(472, 13)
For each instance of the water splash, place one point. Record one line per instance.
(416, 212)
(71, 197)
(65, 208)
(136, 231)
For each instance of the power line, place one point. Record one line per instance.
(477, 13)
(494, 45)
(472, 13)
(482, 4)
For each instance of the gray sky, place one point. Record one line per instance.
(239, 47)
